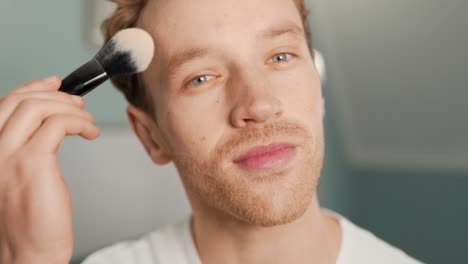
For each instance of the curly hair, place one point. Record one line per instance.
(125, 16)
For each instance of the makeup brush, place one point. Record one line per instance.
(130, 51)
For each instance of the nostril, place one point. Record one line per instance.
(248, 120)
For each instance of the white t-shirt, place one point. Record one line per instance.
(174, 245)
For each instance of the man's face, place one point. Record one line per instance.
(229, 76)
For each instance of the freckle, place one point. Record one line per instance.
(203, 138)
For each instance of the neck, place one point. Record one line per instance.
(314, 237)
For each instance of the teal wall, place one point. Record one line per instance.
(334, 191)
(424, 212)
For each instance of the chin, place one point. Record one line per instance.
(274, 216)
(278, 201)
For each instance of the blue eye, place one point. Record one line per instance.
(200, 79)
(281, 57)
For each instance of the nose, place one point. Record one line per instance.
(256, 100)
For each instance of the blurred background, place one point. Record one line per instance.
(396, 156)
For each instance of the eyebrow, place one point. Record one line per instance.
(283, 28)
(186, 56)
(274, 31)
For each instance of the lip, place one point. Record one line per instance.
(272, 156)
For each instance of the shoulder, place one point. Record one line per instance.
(361, 246)
(149, 248)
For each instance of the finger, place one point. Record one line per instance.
(11, 101)
(51, 133)
(27, 118)
(48, 84)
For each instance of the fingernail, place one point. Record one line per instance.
(50, 79)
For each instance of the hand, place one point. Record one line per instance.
(35, 203)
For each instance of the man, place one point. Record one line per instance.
(233, 99)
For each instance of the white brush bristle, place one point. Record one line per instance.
(138, 43)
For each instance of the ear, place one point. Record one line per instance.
(148, 133)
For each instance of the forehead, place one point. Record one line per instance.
(181, 24)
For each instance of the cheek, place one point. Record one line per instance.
(193, 126)
(301, 95)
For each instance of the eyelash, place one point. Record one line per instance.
(272, 59)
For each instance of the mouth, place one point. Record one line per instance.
(272, 156)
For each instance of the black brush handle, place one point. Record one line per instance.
(84, 79)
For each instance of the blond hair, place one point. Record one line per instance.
(125, 16)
